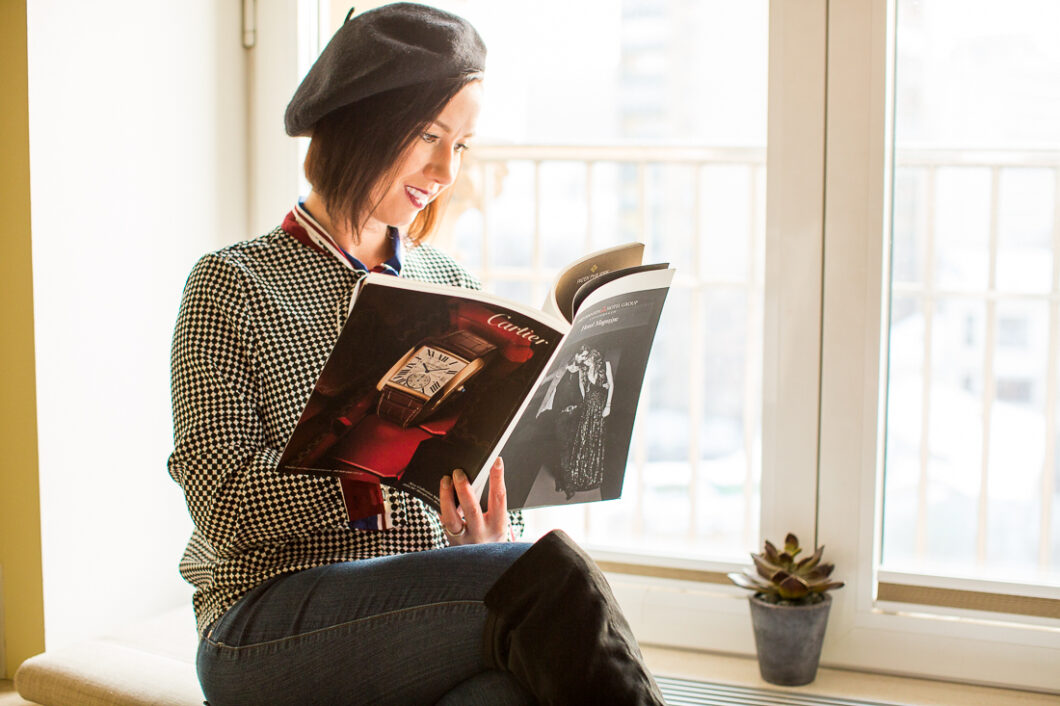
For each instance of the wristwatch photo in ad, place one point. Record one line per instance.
(421, 380)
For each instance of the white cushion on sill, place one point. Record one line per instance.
(149, 663)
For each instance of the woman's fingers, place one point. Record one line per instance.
(468, 504)
(460, 509)
(497, 508)
(449, 514)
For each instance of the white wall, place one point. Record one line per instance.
(138, 159)
(274, 74)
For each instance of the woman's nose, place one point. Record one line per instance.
(444, 166)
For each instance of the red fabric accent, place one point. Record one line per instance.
(363, 498)
(439, 426)
(290, 226)
(340, 425)
(384, 448)
(472, 316)
(517, 354)
(360, 476)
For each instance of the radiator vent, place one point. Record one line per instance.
(684, 692)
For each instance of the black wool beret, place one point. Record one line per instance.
(390, 47)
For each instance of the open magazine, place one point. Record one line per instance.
(425, 379)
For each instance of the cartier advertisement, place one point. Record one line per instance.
(425, 379)
(420, 382)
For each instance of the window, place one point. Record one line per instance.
(605, 154)
(821, 348)
(971, 479)
(918, 482)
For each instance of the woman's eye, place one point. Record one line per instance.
(429, 138)
(461, 147)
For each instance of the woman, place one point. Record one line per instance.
(294, 604)
(583, 460)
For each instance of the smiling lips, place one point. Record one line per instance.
(418, 197)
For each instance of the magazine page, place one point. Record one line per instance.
(592, 285)
(578, 273)
(423, 379)
(571, 442)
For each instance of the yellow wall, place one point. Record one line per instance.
(20, 542)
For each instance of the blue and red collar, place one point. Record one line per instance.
(305, 229)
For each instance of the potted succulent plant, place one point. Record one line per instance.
(789, 610)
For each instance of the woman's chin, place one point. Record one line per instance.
(405, 218)
(401, 221)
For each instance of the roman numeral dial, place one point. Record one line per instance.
(429, 374)
(428, 370)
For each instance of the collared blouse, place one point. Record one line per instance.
(257, 321)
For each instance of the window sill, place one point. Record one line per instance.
(836, 683)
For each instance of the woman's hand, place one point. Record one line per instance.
(463, 519)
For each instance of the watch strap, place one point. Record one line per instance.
(399, 406)
(465, 344)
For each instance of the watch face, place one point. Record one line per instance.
(428, 370)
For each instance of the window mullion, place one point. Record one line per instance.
(856, 181)
(794, 226)
(1049, 463)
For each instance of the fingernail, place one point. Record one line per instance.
(446, 482)
(458, 475)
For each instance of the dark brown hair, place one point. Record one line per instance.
(358, 146)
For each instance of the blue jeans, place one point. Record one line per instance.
(402, 629)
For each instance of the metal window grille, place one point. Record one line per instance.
(993, 327)
(650, 178)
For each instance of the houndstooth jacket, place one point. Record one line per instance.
(256, 324)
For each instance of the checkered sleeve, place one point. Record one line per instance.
(238, 500)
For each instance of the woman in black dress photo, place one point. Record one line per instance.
(582, 464)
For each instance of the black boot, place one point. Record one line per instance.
(554, 624)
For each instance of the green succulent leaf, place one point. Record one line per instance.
(824, 569)
(814, 575)
(742, 581)
(752, 583)
(811, 561)
(778, 578)
(793, 587)
(766, 569)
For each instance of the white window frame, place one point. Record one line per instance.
(864, 633)
(828, 183)
(829, 178)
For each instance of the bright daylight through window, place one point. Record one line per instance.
(972, 471)
(885, 376)
(655, 129)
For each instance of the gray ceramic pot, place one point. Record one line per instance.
(789, 639)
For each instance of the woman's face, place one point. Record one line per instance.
(430, 165)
